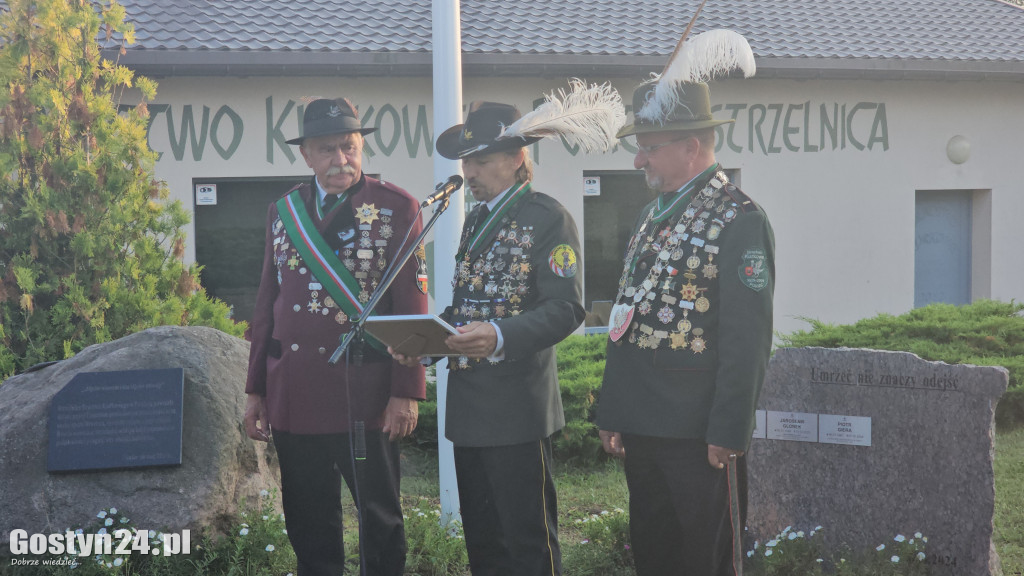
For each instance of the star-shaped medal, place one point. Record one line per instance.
(367, 213)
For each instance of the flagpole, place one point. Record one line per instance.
(447, 61)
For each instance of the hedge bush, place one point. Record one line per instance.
(984, 333)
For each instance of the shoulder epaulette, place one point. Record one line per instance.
(741, 199)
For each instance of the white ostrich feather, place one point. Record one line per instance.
(587, 116)
(702, 58)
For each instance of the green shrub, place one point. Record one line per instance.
(90, 248)
(984, 333)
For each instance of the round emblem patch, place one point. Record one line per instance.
(562, 261)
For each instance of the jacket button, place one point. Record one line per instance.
(323, 350)
(295, 347)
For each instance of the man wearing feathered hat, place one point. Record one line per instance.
(329, 241)
(517, 292)
(690, 332)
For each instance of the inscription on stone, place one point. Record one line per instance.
(127, 419)
(929, 429)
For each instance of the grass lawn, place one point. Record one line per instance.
(1009, 515)
(585, 492)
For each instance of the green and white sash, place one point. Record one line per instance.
(494, 219)
(321, 260)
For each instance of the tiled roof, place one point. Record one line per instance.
(821, 33)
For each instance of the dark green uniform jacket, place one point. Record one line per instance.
(525, 276)
(691, 360)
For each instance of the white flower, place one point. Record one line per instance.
(282, 517)
(750, 553)
(264, 493)
(620, 511)
(819, 560)
(924, 538)
(800, 534)
(899, 538)
(755, 544)
(792, 535)
(816, 528)
(102, 514)
(812, 534)
(421, 514)
(269, 548)
(604, 512)
(917, 535)
(108, 521)
(585, 541)
(788, 528)
(79, 531)
(101, 531)
(895, 559)
(880, 547)
(767, 552)
(110, 565)
(124, 520)
(113, 510)
(920, 556)
(285, 531)
(118, 561)
(266, 517)
(243, 531)
(771, 543)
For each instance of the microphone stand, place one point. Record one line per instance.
(396, 266)
(357, 441)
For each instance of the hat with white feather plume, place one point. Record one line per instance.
(588, 116)
(678, 98)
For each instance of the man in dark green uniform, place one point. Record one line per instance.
(689, 342)
(517, 292)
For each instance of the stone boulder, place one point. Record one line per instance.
(220, 464)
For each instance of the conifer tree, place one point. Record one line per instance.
(90, 249)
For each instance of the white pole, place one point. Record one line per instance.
(447, 55)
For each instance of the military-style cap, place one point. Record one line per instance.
(325, 117)
(692, 111)
(479, 134)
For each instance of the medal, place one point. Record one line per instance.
(620, 317)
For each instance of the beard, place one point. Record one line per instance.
(654, 182)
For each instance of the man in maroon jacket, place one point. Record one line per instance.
(329, 242)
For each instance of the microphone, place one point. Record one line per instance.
(443, 190)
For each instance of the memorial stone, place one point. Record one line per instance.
(124, 419)
(903, 445)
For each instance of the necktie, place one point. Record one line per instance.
(330, 201)
(481, 216)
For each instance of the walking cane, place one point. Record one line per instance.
(737, 528)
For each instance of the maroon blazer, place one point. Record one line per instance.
(296, 324)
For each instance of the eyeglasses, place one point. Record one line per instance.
(650, 150)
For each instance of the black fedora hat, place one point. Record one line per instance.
(692, 110)
(325, 117)
(479, 135)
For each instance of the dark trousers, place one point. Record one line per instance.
(312, 467)
(679, 510)
(509, 509)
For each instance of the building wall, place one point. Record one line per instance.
(840, 192)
